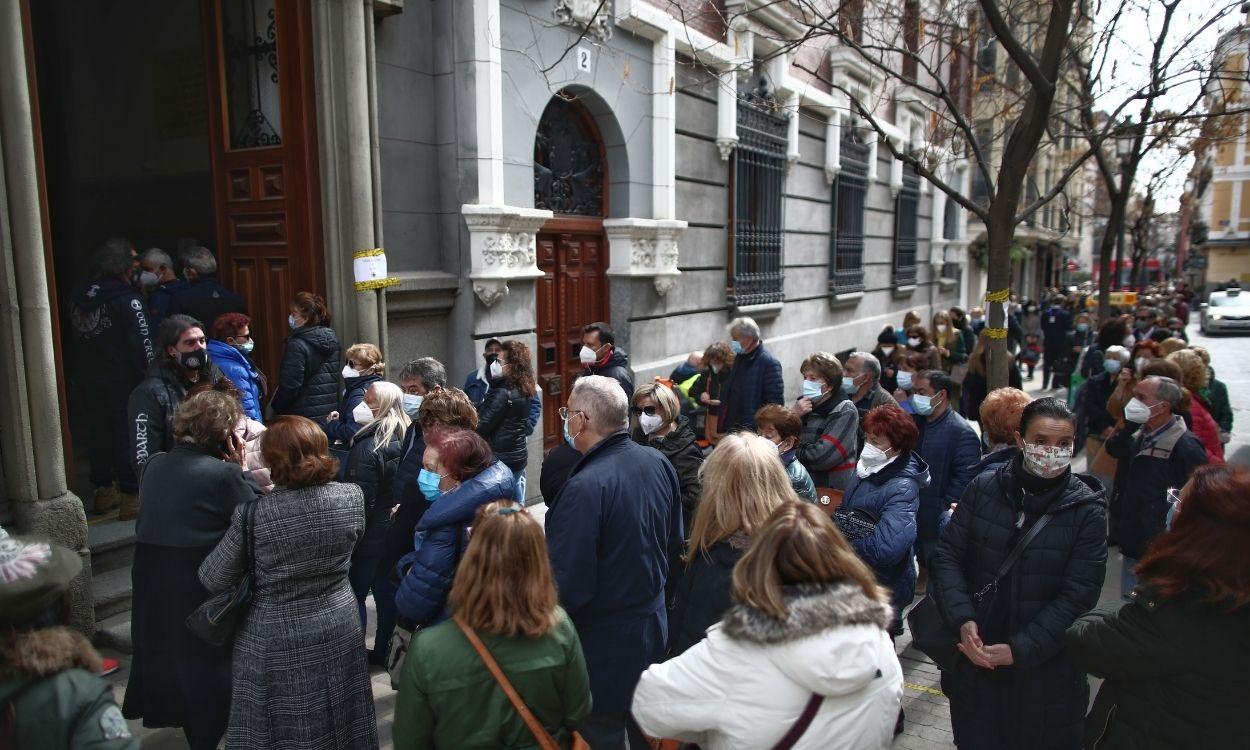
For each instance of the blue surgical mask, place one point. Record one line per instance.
(412, 403)
(568, 436)
(848, 384)
(428, 481)
(811, 389)
(247, 348)
(1112, 366)
(291, 321)
(1082, 327)
(735, 346)
(922, 404)
(904, 380)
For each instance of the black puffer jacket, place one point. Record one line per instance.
(682, 451)
(617, 368)
(1039, 702)
(1176, 672)
(151, 410)
(502, 421)
(702, 596)
(373, 469)
(308, 381)
(405, 493)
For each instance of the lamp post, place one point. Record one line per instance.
(1123, 150)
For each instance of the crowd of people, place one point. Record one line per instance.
(716, 566)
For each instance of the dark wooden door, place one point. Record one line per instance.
(572, 293)
(262, 133)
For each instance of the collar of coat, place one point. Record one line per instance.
(890, 470)
(1163, 445)
(811, 610)
(603, 446)
(46, 651)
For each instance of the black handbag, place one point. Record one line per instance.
(855, 523)
(215, 620)
(937, 639)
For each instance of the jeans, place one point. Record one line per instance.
(519, 476)
(1128, 579)
(363, 574)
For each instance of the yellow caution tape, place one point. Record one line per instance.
(1002, 295)
(924, 689)
(364, 286)
(369, 252)
(996, 333)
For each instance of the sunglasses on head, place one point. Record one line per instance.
(648, 410)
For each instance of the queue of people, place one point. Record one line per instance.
(715, 566)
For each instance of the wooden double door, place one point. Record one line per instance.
(573, 256)
(263, 144)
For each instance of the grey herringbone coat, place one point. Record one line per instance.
(300, 677)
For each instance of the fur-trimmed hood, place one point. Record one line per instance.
(41, 653)
(813, 609)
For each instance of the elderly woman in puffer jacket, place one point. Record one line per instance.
(460, 475)
(805, 642)
(886, 489)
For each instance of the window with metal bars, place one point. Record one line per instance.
(758, 181)
(846, 266)
(906, 218)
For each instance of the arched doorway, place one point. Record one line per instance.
(570, 180)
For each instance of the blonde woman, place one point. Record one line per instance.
(1195, 376)
(376, 451)
(657, 421)
(505, 592)
(806, 642)
(743, 482)
(363, 367)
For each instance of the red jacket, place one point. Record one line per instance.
(1205, 429)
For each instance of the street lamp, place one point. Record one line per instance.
(1124, 142)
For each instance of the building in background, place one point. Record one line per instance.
(1219, 183)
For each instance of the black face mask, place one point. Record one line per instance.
(490, 357)
(196, 360)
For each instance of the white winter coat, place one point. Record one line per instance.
(745, 685)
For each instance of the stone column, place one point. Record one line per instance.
(342, 70)
(34, 466)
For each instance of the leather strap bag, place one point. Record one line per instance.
(216, 620)
(541, 735)
(933, 636)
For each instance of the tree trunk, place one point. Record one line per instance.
(1115, 225)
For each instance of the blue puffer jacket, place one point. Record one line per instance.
(892, 496)
(952, 449)
(439, 544)
(234, 365)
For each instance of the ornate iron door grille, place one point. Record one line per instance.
(759, 168)
(568, 161)
(846, 269)
(906, 217)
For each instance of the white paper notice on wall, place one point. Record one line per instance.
(583, 59)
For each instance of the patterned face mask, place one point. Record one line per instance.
(1047, 461)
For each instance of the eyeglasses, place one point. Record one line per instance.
(637, 410)
(566, 415)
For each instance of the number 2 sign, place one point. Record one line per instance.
(583, 59)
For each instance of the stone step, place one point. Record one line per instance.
(112, 544)
(112, 592)
(114, 632)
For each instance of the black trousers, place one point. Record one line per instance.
(108, 436)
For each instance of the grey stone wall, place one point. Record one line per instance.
(694, 314)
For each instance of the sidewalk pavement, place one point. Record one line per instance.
(928, 711)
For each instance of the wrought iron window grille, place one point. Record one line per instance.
(569, 164)
(252, 101)
(758, 181)
(850, 191)
(906, 219)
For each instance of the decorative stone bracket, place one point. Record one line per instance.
(645, 248)
(503, 247)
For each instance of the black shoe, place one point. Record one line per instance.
(898, 725)
(376, 659)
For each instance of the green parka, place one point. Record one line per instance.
(47, 676)
(448, 699)
(1177, 673)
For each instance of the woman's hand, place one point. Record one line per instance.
(1000, 655)
(332, 416)
(705, 399)
(803, 407)
(235, 449)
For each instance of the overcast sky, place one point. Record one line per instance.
(1131, 52)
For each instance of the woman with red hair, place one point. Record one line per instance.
(230, 348)
(878, 511)
(1175, 658)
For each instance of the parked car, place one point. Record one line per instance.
(1226, 311)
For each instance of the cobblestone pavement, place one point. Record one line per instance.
(927, 709)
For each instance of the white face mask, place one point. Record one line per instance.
(348, 372)
(496, 369)
(587, 355)
(941, 327)
(362, 414)
(887, 350)
(650, 423)
(871, 460)
(1137, 412)
(1047, 461)
(914, 342)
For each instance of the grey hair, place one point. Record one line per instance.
(200, 259)
(872, 365)
(604, 402)
(1168, 390)
(745, 327)
(1117, 352)
(428, 370)
(113, 259)
(157, 257)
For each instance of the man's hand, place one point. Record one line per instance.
(332, 416)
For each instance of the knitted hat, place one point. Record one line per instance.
(34, 573)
